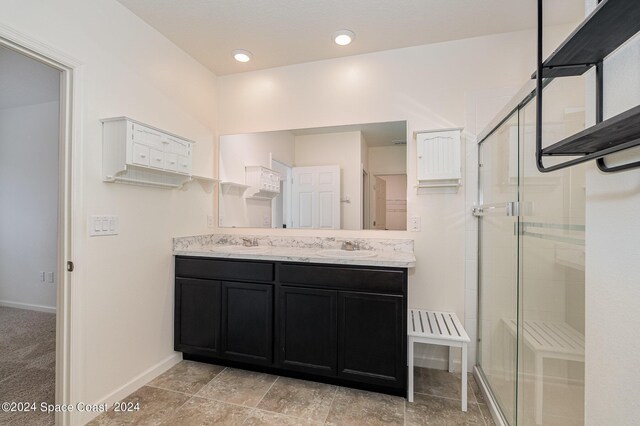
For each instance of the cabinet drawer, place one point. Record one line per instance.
(184, 164)
(140, 154)
(156, 158)
(171, 162)
(241, 270)
(146, 136)
(175, 145)
(344, 278)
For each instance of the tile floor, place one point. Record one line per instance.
(27, 362)
(193, 393)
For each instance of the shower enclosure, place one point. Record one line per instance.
(531, 265)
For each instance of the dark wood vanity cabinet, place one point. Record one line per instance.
(334, 323)
(371, 338)
(247, 322)
(307, 337)
(197, 326)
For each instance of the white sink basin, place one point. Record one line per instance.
(346, 254)
(241, 249)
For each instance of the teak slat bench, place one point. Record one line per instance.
(438, 328)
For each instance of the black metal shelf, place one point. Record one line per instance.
(611, 133)
(610, 25)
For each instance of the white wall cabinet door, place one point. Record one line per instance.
(438, 155)
(316, 197)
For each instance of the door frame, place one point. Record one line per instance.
(372, 199)
(70, 208)
(286, 194)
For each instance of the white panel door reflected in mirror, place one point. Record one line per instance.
(338, 177)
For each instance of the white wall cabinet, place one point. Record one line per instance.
(136, 153)
(438, 154)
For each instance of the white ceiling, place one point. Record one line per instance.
(284, 32)
(25, 81)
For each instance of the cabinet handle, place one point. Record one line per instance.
(172, 162)
(143, 155)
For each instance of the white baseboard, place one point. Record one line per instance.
(493, 407)
(29, 306)
(135, 384)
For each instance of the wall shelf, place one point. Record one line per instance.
(610, 25)
(260, 194)
(233, 188)
(206, 183)
(615, 132)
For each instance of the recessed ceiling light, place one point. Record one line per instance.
(242, 55)
(343, 37)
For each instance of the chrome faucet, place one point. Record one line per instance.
(250, 242)
(349, 246)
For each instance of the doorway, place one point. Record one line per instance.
(389, 202)
(29, 176)
(281, 205)
(37, 131)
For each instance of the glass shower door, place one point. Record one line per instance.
(498, 264)
(552, 263)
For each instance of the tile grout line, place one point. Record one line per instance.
(175, 413)
(265, 394)
(404, 420)
(475, 396)
(330, 405)
(444, 397)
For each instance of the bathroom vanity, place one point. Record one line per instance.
(305, 315)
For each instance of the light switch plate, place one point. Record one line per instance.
(103, 225)
(414, 224)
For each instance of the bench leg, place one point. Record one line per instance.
(450, 359)
(410, 372)
(464, 376)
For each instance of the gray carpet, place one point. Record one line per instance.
(27, 363)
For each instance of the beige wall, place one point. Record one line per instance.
(250, 149)
(122, 292)
(612, 267)
(28, 204)
(387, 160)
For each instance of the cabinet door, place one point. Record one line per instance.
(308, 330)
(371, 345)
(247, 322)
(197, 316)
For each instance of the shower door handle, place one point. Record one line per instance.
(497, 209)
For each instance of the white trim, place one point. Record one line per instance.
(72, 109)
(28, 306)
(493, 408)
(134, 384)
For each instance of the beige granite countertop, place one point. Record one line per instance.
(388, 253)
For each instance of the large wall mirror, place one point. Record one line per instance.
(340, 177)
